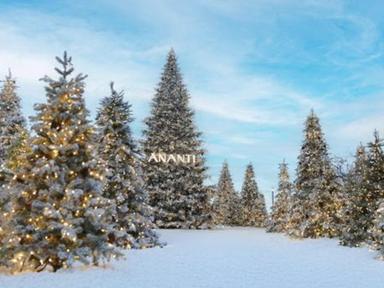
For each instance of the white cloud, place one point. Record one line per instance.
(254, 99)
(362, 129)
(34, 41)
(214, 58)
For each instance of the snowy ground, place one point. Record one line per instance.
(233, 258)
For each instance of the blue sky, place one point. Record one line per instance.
(254, 69)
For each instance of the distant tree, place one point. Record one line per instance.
(176, 190)
(12, 122)
(371, 222)
(316, 207)
(355, 213)
(124, 186)
(254, 212)
(227, 199)
(280, 209)
(13, 139)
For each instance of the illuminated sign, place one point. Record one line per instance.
(172, 158)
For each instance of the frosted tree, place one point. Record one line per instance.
(280, 209)
(355, 214)
(13, 134)
(253, 210)
(316, 206)
(226, 198)
(371, 223)
(12, 122)
(13, 138)
(57, 214)
(176, 189)
(124, 185)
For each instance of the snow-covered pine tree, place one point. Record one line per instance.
(12, 122)
(176, 189)
(355, 214)
(57, 214)
(280, 209)
(13, 138)
(124, 185)
(317, 200)
(253, 209)
(374, 196)
(226, 198)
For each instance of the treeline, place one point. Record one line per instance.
(231, 208)
(325, 200)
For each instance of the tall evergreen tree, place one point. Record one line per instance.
(280, 209)
(124, 184)
(57, 214)
(316, 209)
(254, 212)
(176, 189)
(226, 198)
(12, 122)
(355, 212)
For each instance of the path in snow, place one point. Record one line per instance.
(234, 258)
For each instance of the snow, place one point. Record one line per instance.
(228, 257)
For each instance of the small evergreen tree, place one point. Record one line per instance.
(124, 185)
(316, 209)
(176, 189)
(57, 214)
(226, 197)
(355, 213)
(253, 209)
(280, 209)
